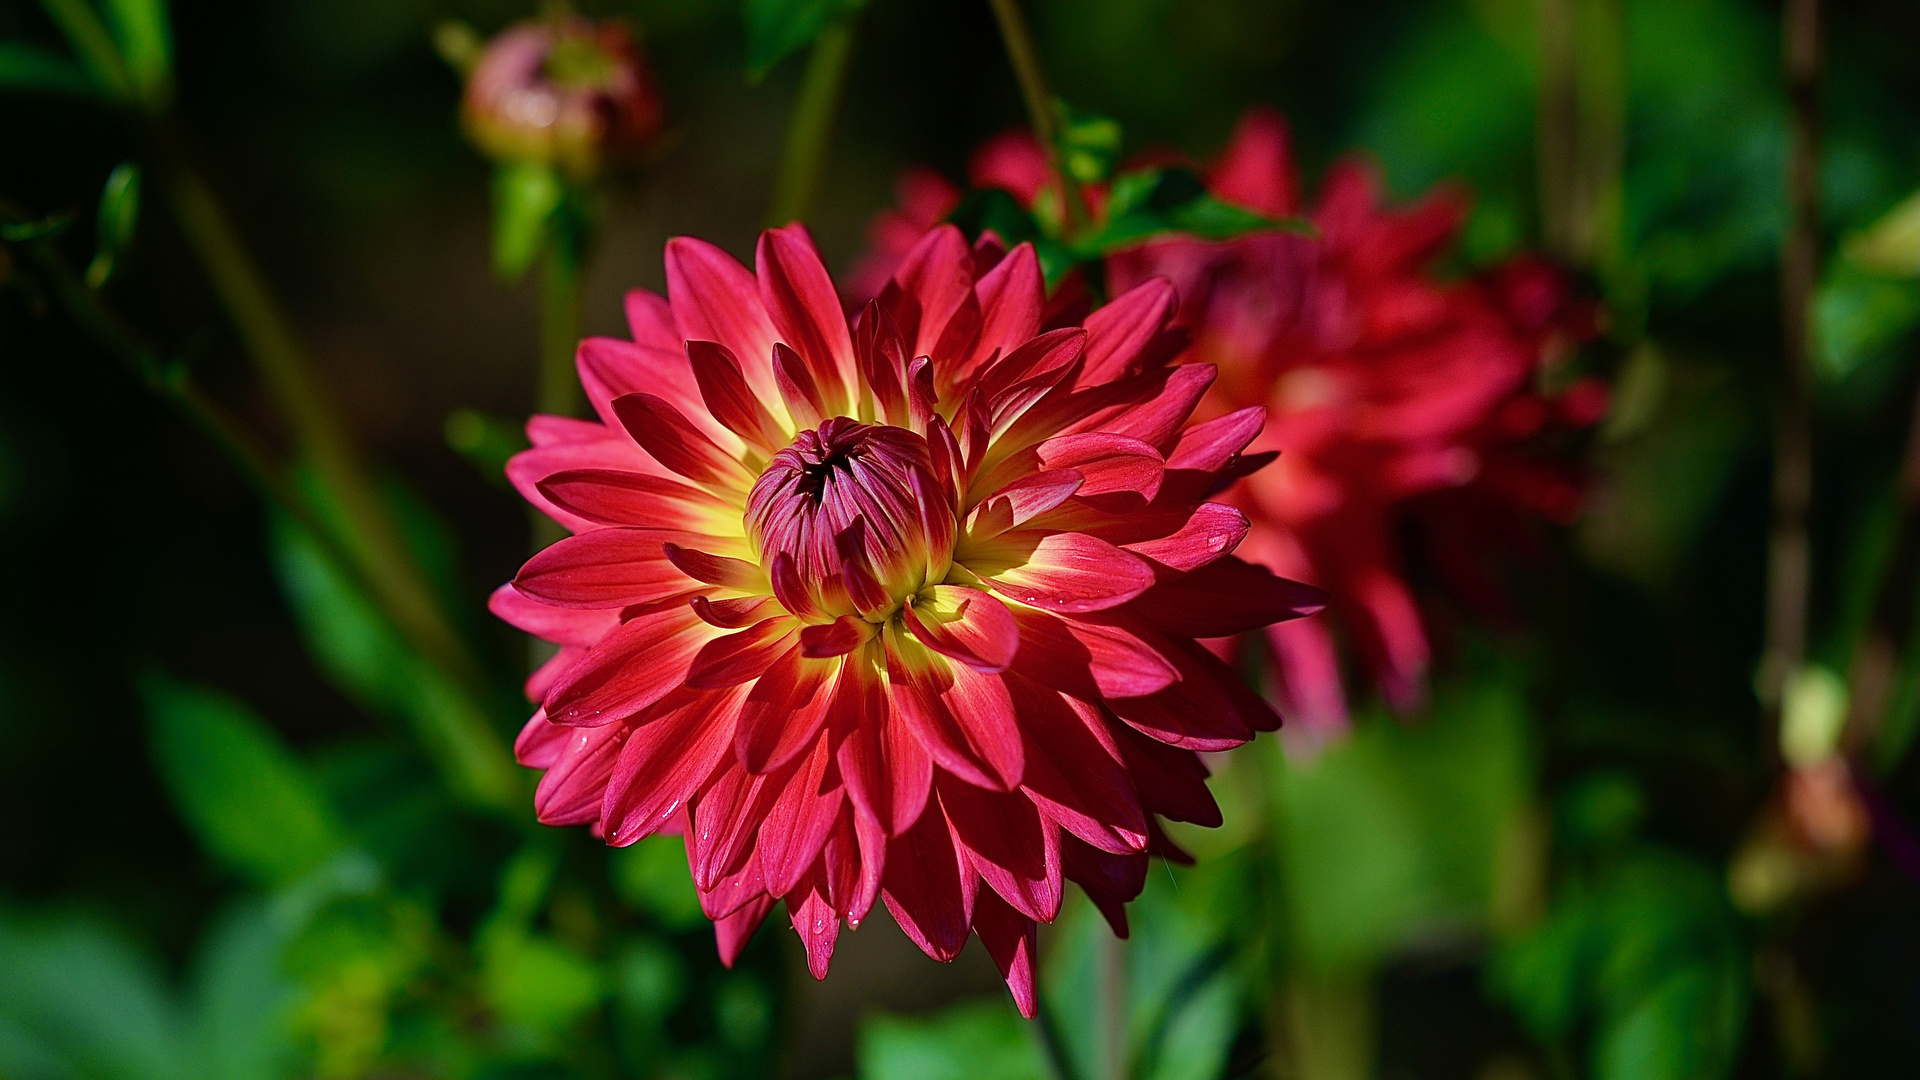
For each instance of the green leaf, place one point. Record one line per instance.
(537, 982)
(119, 214)
(1645, 950)
(652, 876)
(1394, 833)
(1862, 314)
(30, 68)
(91, 42)
(242, 996)
(1148, 202)
(1891, 245)
(77, 1000)
(1089, 143)
(977, 1039)
(146, 46)
(778, 28)
(525, 198)
(248, 799)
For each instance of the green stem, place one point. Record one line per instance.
(561, 316)
(803, 158)
(1025, 57)
(477, 761)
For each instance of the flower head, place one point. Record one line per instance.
(900, 610)
(571, 93)
(1394, 398)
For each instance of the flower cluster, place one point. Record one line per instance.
(570, 93)
(902, 609)
(1393, 396)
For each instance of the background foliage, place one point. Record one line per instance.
(258, 825)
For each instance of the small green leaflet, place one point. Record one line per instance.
(119, 214)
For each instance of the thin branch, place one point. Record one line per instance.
(1025, 57)
(803, 158)
(1789, 564)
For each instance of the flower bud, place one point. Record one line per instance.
(570, 93)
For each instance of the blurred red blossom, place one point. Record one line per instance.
(893, 609)
(571, 93)
(1395, 397)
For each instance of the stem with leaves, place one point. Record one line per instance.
(803, 157)
(1025, 57)
(479, 766)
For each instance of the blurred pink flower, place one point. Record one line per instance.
(571, 93)
(890, 609)
(1394, 396)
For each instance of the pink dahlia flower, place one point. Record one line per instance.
(570, 93)
(1394, 397)
(903, 610)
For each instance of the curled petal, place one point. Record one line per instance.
(1065, 572)
(714, 298)
(1121, 331)
(1210, 532)
(729, 398)
(968, 625)
(1107, 463)
(722, 570)
(837, 638)
(1090, 660)
(740, 657)
(664, 433)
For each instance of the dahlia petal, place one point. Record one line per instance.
(938, 274)
(665, 761)
(728, 397)
(539, 743)
(1226, 597)
(882, 358)
(963, 717)
(544, 676)
(797, 825)
(722, 570)
(1309, 668)
(610, 368)
(1089, 660)
(650, 320)
(1109, 880)
(1196, 712)
(631, 668)
(1121, 330)
(563, 431)
(800, 299)
(714, 298)
(799, 390)
(662, 431)
(1158, 420)
(731, 934)
(819, 928)
(1210, 446)
(1107, 462)
(786, 707)
(606, 568)
(740, 657)
(870, 841)
(964, 624)
(733, 892)
(575, 783)
(788, 588)
(1075, 778)
(1012, 296)
(562, 625)
(928, 887)
(1171, 782)
(1065, 572)
(726, 816)
(609, 449)
(733, 614)
(618, 497)
(956, 338)
(837, 638)
(1021, 501)
(1011, 940)
(1006, 839)
(1256, 169)
(1211, 532)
